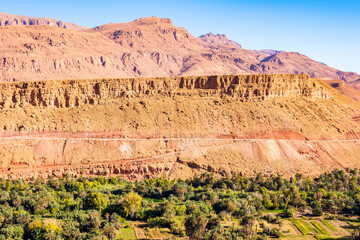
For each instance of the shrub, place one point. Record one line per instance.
(96, 201)
(195, 226)
(131, 204)
(290, 212)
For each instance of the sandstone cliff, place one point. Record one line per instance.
(176, 126)
(73, 93)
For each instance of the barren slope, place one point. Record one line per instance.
(44, 52)
(345, 89)
(355, 84)
(287, 62)
(177, 126)
(146, 47)
(10, 19)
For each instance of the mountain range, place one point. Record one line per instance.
(11, 19)
(46, 49)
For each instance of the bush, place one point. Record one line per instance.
(180, 210)
(290, 212)
(195, 226)
(317, 211)
(96, 201)
(131, 204)
(12, 232)
(46, 229)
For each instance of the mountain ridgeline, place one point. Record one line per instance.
(34, 49)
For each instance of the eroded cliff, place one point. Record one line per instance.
(176, 126)
(73, 93)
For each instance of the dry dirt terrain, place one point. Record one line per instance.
(177, 126)
(34, 49)
(350, 90)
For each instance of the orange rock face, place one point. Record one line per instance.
(65, 94)
(176, 127)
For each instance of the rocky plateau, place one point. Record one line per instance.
(176, 127)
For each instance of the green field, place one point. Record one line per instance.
(127, 233)
(320, 228)
(302, 226)
(316, 228)
(275, 211)
(328, 225)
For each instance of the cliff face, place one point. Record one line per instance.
(73, 93)
(176, 127)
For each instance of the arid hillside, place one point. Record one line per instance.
(10, 20)
(177, 126)
(146, 47)
(350, 90)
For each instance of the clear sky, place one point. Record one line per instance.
(325, 30)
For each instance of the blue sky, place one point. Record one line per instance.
(327, 31)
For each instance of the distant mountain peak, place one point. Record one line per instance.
(270, 52)
(7, 19)
(153, 20)
(219, 40)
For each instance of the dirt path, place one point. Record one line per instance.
(172, 139)
(121, 136)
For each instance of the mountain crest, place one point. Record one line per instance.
(219, 40)
(146, 47)
(153, 20)
(10, 20)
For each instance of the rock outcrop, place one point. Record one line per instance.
(219, 41)
(176, 127)
(73, 93)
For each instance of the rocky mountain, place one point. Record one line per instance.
(269, 52)
(355, 84)
(146, 47)
(10, 19)
(219, 41)
(105, 123)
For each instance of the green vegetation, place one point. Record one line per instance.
(328, 225)
(303, 227)
(204, 207)
(320, 228)
(127, 233)
(323, 237)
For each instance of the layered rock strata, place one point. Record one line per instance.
(139, 159)
(72, 93)
(176, 127)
